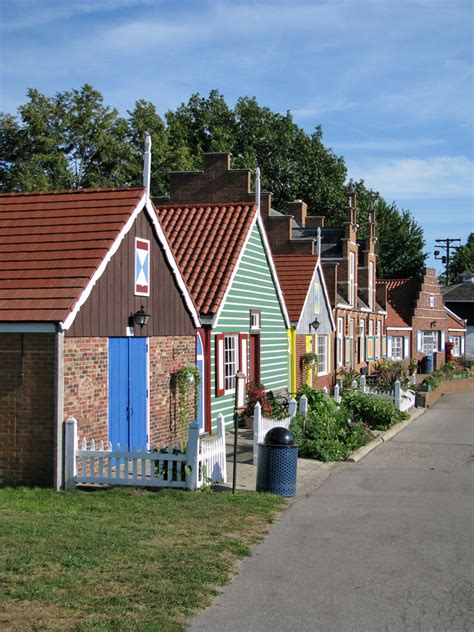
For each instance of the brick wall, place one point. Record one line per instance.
(216, 183)
(166, 354)
(86, 385)
(428, 318)
(27, 371)
(318, 382)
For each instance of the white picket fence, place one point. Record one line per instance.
(402, 399)
(203, 462)
(261, 425)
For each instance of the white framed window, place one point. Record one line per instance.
(430, 342)
(456, 340)
(351, 278)
(231, 360)
(397, 347)
(340, 341)
(371, 327)
(323, 355)
(371, 284)
(255, 320)
(432, 300)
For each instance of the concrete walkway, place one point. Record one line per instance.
(309, 472)
(382, 544)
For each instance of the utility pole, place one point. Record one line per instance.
(445, 244)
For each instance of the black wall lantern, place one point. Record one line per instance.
(315, 324)
(141, 317)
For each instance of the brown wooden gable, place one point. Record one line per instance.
(112, 300)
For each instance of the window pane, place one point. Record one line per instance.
(322, 354)
(397, 347)
(230, 361)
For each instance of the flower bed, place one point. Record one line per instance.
(331, 433)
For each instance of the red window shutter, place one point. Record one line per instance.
(243, 353)
(219, 355)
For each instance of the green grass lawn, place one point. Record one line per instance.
(120, 559)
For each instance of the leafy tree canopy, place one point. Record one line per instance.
(74, 140)
(463, 259)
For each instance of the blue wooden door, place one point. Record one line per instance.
(128, 392)
(200, 366)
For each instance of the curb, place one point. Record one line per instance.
(359, 454)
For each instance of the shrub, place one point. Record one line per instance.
(314, 397)
(347, 376)
(326, 433)
(385, 375)
(377, 412)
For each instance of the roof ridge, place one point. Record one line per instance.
(203, 205)
(70, 191)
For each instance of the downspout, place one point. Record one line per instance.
(59, 410)
(292, 341)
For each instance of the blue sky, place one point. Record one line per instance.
(391, 82)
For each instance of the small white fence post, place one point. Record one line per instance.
(192, 455)
(303, 405)
(221, 439)
(70, 447)
(257, 429)
(397, 395)
(292, 407)
(354, 385)
(337, 395)
(362, 383)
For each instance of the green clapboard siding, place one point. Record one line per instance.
(253, 288)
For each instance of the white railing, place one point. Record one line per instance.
(212, 457)
(261, 425)
(402, 399)
(203, 461)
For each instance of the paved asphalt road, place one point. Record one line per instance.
(383, 544)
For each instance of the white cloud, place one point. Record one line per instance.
(435, 177)
(386, 144)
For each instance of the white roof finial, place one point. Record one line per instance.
(147, 164)
(257, 188)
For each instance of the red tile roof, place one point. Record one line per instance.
(401, 299)
(295, 273)
(52, 243)
(206, 242)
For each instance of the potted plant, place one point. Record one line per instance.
(256, 393)
(309, 360)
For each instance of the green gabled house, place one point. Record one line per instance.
(213, 226)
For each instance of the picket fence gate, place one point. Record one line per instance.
(203, 462)
(261, 425)
(402, 399)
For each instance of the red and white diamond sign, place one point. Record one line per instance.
(142, 267)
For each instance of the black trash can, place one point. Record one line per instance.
(427, 364)
(277, 463)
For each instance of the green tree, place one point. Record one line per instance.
(74, 140)
(69, 140)
(463, 259)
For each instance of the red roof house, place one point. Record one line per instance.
(77, 268)
(212, 223)
(312, 325)
(418, 323)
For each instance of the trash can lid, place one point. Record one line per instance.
(279, 436)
